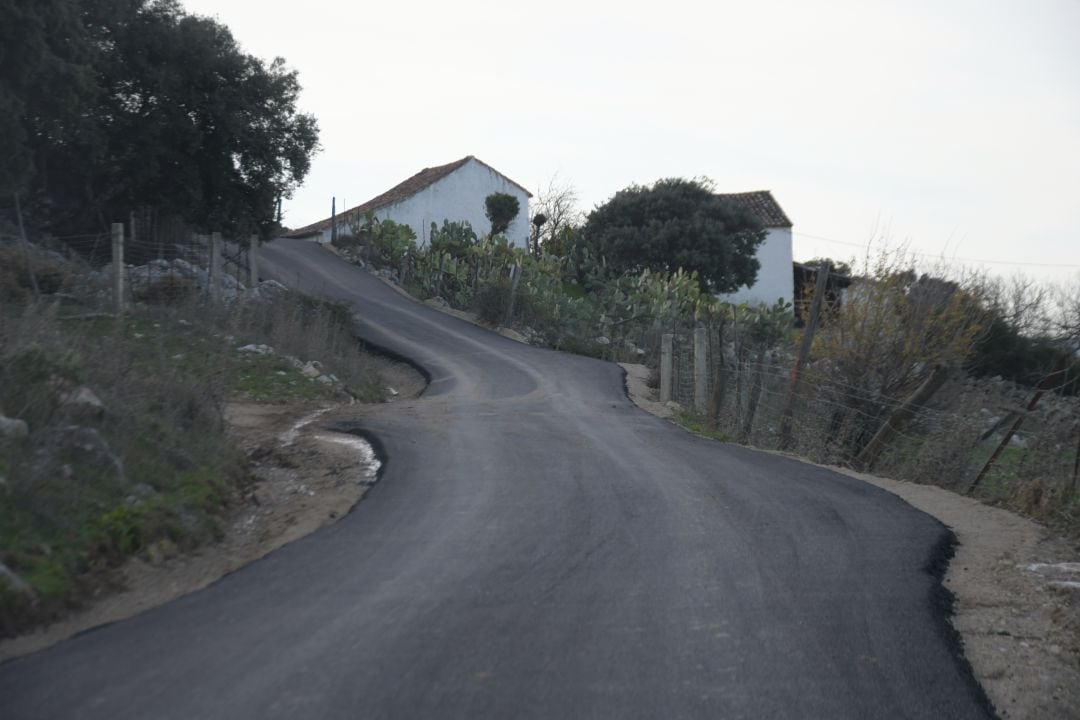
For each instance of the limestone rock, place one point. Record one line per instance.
(82, 405)
(13, 429)
(74, 450)
(264, 292)
(15, 582)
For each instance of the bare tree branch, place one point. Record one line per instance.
(558, 203)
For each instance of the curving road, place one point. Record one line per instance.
(540, 548)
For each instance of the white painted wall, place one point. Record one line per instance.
(457, 197)
(776, 277)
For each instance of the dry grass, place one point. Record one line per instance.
(86, 489)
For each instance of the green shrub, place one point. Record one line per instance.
(32, 378)
(16, 282)
(393, 242)
(454, 239)
(490, 302)
(118, 532)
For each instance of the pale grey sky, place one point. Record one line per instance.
(953, 126)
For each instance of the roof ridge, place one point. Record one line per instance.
(405, 189)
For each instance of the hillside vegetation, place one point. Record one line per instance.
(113, 438)
(979, 348)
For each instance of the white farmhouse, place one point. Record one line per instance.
(775, 278)
(454, 192)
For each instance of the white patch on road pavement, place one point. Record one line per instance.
(1062, 567)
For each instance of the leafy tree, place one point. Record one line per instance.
(501, 209)
(538, 221)
(674, 224)
(177, 118)
(43, 78)
(836, 267)
(1027, 334)
(1002, 351)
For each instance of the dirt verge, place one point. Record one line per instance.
(1016, 587)
(305, 477)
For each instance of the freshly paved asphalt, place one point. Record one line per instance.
(539, 548)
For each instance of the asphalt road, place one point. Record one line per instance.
(540, 548)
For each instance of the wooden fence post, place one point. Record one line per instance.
(133, 235)
(804, 352)
(900, 416)
(215, 266)
(716, 397)
(701, 369)
(26, 250)
(665, 367)
(1076, 466)
(118, 267)
(755, 396)
(253, 261)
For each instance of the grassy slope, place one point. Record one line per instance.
(164, 374)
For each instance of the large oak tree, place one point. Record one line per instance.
(172, 115)
(674, 224)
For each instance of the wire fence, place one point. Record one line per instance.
(159, 260)
(946, 440)
(744, 392)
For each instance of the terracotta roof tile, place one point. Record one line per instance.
(401, 191)
(762, 205)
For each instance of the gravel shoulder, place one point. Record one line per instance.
(304, 477)
(1016, 589)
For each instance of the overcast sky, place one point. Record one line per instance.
(952, 126)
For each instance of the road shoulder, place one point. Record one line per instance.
(1016, 595)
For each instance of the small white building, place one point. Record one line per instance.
(775, 278)
(454, 192)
